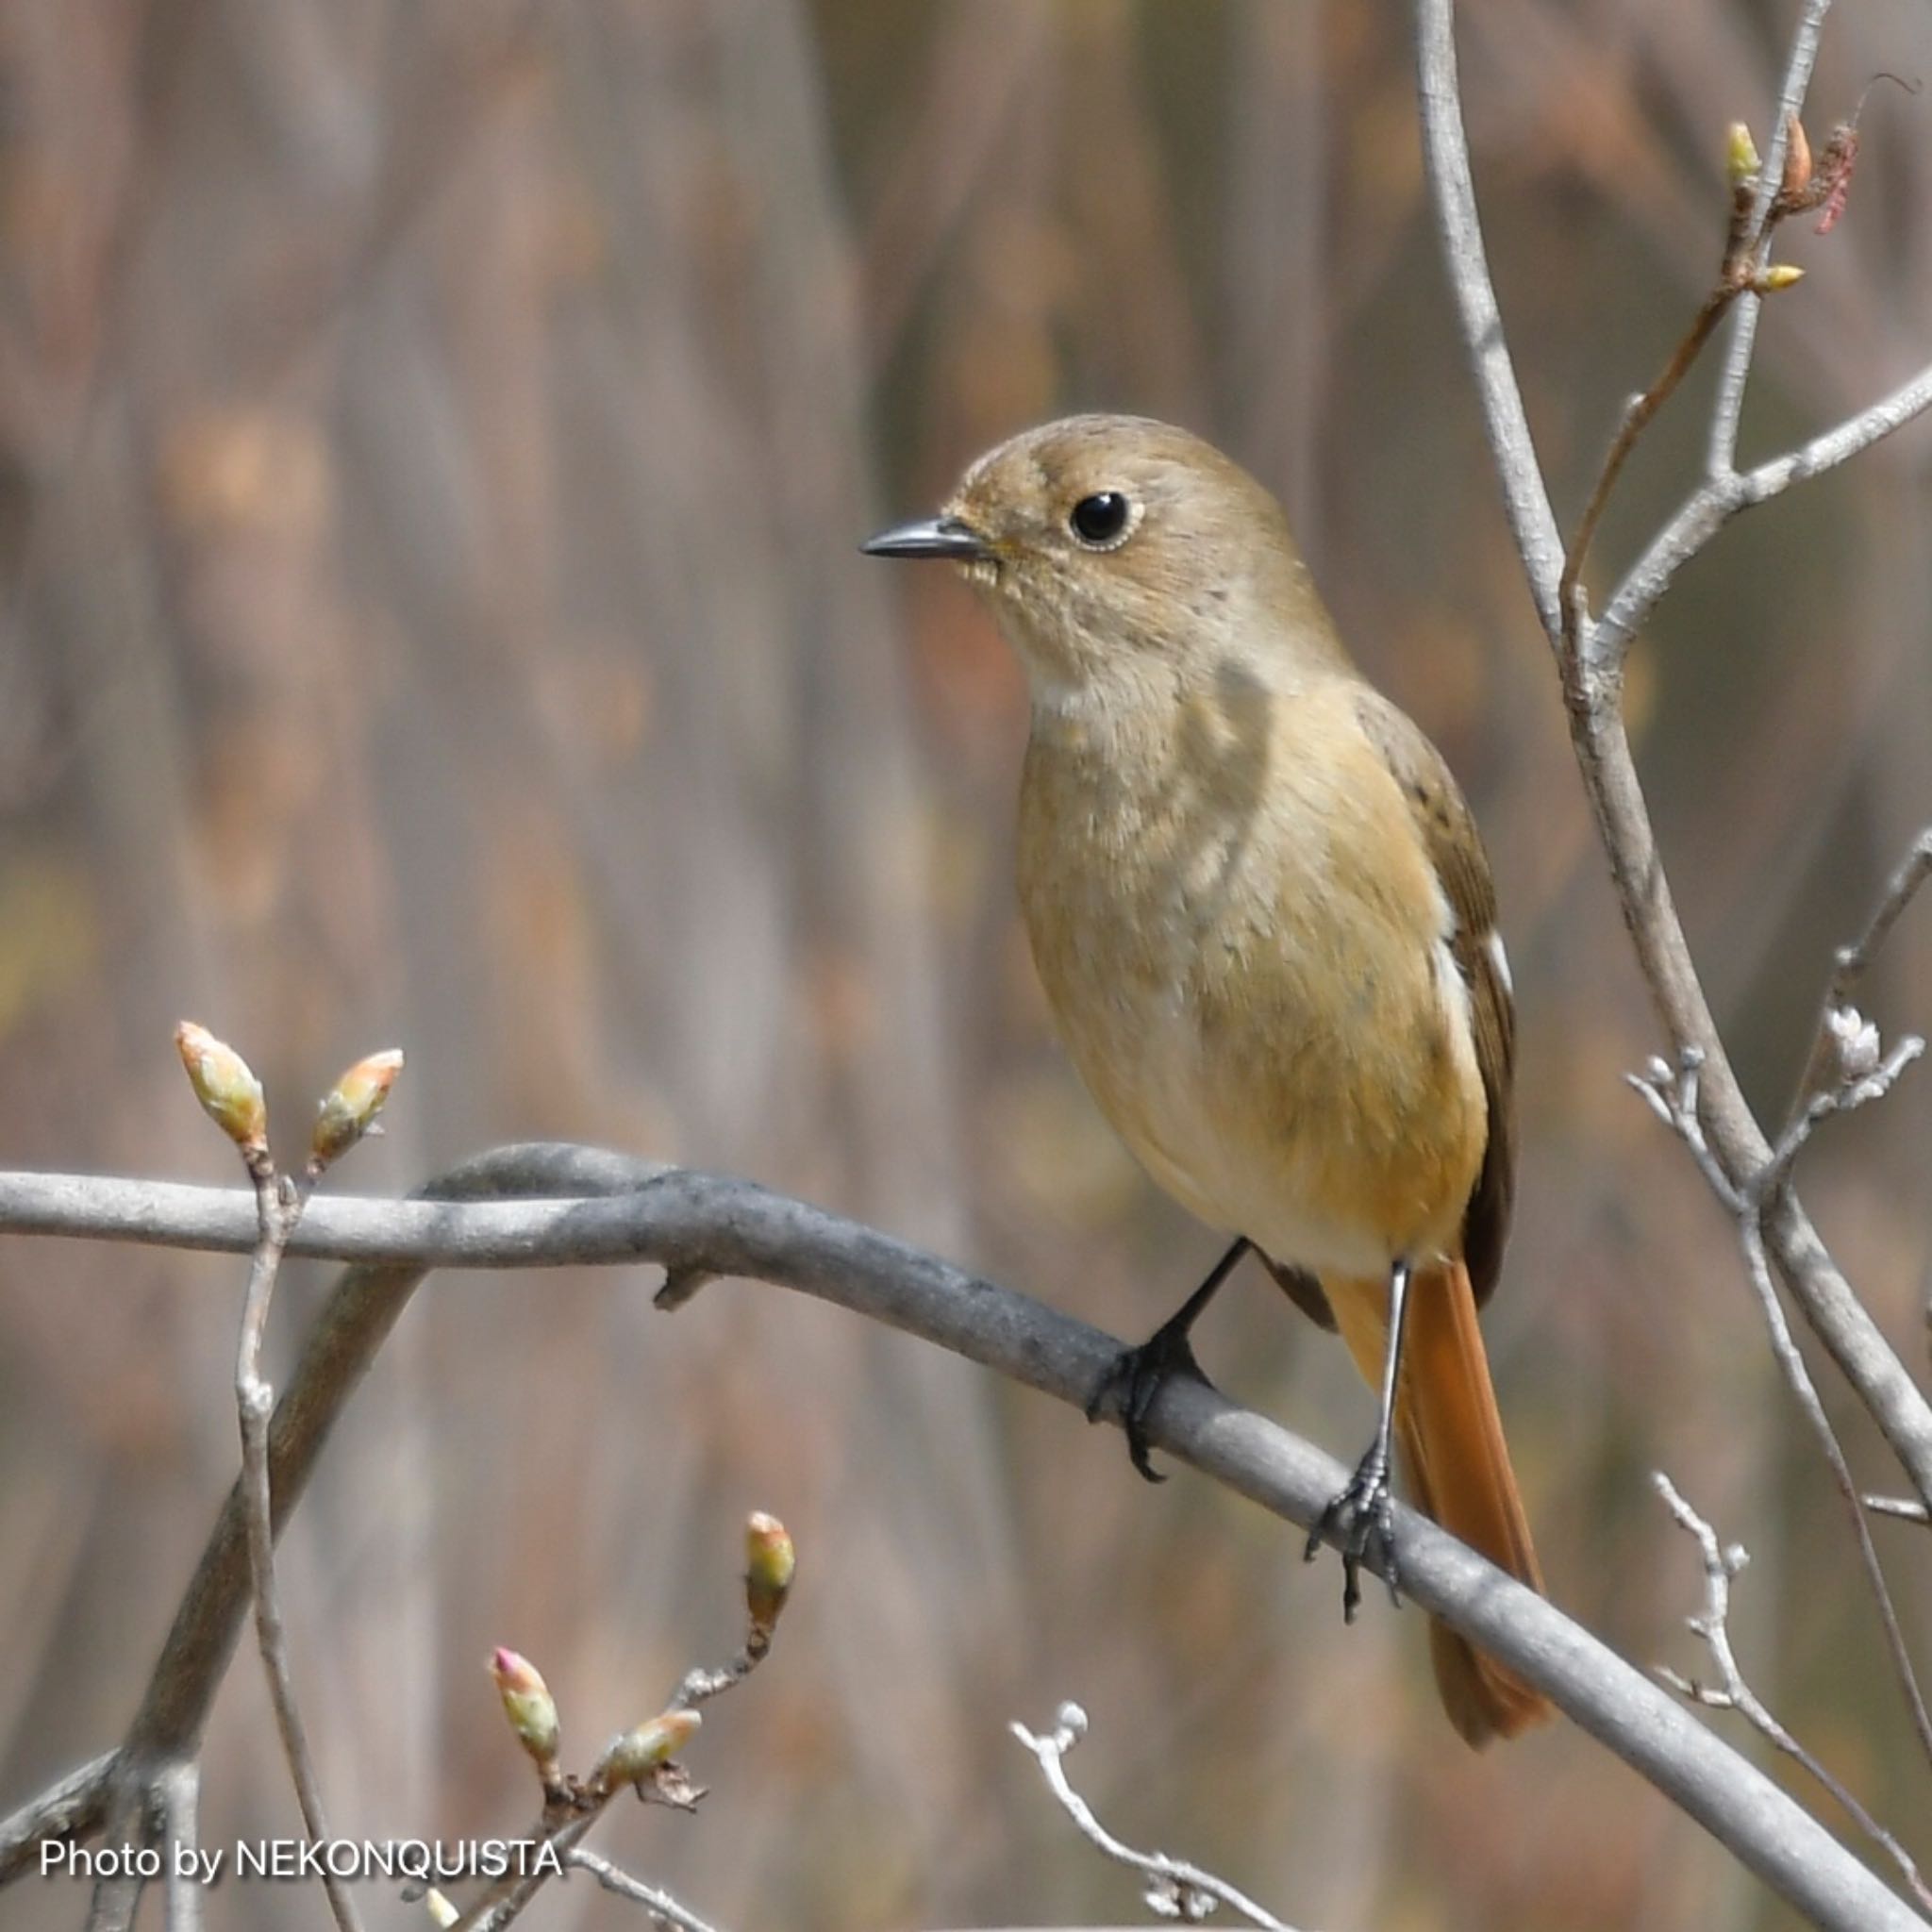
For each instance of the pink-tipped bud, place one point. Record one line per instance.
(652, 1745)
(348, 1109)
(769, 1564)
(529, 1705)
(228, 1091)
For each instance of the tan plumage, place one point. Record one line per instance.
(1264, 923)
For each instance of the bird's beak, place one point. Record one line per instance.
(933, 537)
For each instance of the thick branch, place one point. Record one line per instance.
(716, 1226)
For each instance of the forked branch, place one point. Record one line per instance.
(693, 1225)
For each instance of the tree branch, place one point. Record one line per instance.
(1172, 1888)
(716, 1226)
(1722, 448)
(663, 1908)
(1445, 153)
(70, 1809)
(1731, 1692)
(1854, 961)
(278, 1205)
(1592, 680)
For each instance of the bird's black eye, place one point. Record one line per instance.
(1100, 521)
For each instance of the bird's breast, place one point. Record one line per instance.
(1248, 967)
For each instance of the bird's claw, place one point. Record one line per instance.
(1360, 1523)
(1132, 1385)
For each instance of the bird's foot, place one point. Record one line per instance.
(1132, 1385)
(1360, 1523)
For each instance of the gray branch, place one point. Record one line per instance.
(1722, 1566)
(1739, 1144)
(711, 1224)
(1445, 152)
(1729, 406)
(1173, 1888)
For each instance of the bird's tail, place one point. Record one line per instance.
(1459, 1468)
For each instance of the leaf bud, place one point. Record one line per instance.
(227, 1090)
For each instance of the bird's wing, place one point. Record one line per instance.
(1456, 850)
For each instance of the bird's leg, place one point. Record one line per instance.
(1361, 1519)
(1135, 1376)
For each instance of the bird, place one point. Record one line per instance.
(1264, 922)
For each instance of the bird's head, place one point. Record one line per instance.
(1116, 548)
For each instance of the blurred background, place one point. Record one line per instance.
(434, 438)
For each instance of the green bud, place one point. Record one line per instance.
(1740, 154)
(529, 1705)
(769, 1564)
(349, 1108)
(639, 1752)
(228, 1091)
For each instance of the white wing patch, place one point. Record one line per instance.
(1500, 960)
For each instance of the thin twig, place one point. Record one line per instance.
(1638, 414)
(1174, 1889)
(130, 1821)
(572, 1805)
(1751, 1233)
(180, 1790)
(278, 1207)
(1857, 1090)
(1731, 1692)
(700, 1686)
(1673, 1096)
(1445, 153)
(72, 1808)
(1736, 371)
(1906, 1509)
(558, 1835)
(660, 1904)
(1758, 204)
(1854, 961)
(1715, 502)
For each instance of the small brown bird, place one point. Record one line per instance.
(1265, 925)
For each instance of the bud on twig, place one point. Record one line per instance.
(1780, 275)
(1856, 1043)
(1797, 174)
(228, 1091)
(638, 1754)
(1741, 156)
(348, 1109)
(769, 1564)
(440, 1908)
(529, 1707)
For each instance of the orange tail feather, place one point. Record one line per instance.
(1459, 1468)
